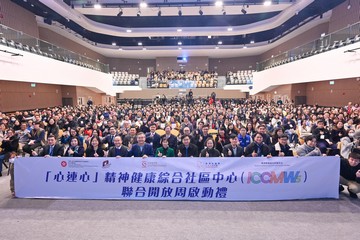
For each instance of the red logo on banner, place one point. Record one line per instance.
(63, 163)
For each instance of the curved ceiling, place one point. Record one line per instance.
(256, 25)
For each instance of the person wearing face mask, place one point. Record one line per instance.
(349, 142)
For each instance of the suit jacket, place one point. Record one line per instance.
(239, 151)
(192, 150)
(123, 152)
(90, 152)
(136, 152)
(154, 140)
(78, 151)
(172, 141)
(58, 150)
(108, 140)
(285, 149)
(265, 149)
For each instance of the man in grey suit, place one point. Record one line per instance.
(233, 149)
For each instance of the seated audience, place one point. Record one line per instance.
(165, 150)
(75, 149)
(350, 173)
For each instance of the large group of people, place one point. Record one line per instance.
(231, 128)
(165, 79)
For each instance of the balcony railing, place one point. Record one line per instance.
(19, 40)
(325, 43)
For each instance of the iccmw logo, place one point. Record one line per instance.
(273, 177)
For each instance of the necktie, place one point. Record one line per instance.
(51, 150)
(186, 152)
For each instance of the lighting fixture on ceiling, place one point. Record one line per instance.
(219, 42)
(219, 3)
(180, 12)
(243, 11)
(223, 11)
(252, 41)
(138, 13)
(97, 5)
(267, 3)
(201, 12)
(179, 43)
(139, 43)
(120, 13)
(229, 29)
(114, 44)
(143, 4)
(128, 30)
(179, 30)
(159, 13)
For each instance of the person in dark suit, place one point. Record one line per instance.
(257, 148)
(233, 149)
(152, 137)
(36, 137)
(118, 150)
(51, 149)
(94, 149)
(109, 139)
(141, 148)
(187, 149)
(170, 137)
(282, 148)
(210, 150)
(75, 149)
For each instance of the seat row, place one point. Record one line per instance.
(37, 50)
(124, 78)
(239, 77)
(334, 45)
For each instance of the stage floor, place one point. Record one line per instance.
(94, 219)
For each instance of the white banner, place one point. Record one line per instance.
(209, 179)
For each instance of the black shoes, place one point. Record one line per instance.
(352, 195)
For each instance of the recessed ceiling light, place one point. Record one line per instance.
(219, 42)
(209, 36)
(229, 29)
(128, 30)
(139, 43)
(144, 48)
(120, 49)
(179, 43)
(216, 47)
(252, 41)
(219, 3)
(143, 5)
(179, 30)
(114, 44)
(244, 46)
(179, 48)
(267, 3)
(97, 6)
